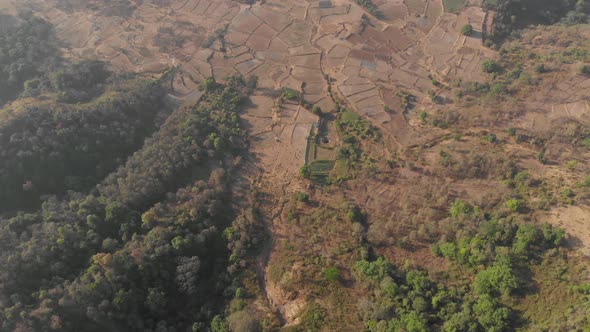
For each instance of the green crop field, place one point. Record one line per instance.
(321, 167)
(453, 6)
(349, 116)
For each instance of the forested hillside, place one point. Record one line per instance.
(111, 221)
(28, 52)
(517, 14)
(52, 147)
(106, 260)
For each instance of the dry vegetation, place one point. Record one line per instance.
(419, 119)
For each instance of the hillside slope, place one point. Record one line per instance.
(333, 165)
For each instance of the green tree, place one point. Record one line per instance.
(467, 29)
(448, 250)
(461, 321)
(526, 235)
(218, 324)
(490, 314)
(496, 279)
(377, 270)
(552, 236)
(208, 84)
(410, 322)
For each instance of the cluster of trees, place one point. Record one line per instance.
(31, 64)
(189, 137)
(129, 255)
(410, 301)
(352, 130)
(501, 239)
(48, 147)
(475, 165)
(499, 253)
(92, 264)
(86, 123)
(28, 51)
(117, 8)
(405, 300)
(349, 123)
(517, 14)
(370, 7)
(75, 83)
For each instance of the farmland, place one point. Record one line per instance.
(389, 160)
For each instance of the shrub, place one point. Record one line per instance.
(301, 197)
(354, 214)
(305, 171)
(512, 131)
(552, 236)
(491, 137)
(490, 66)
(236, 305)
(208, 84)
(445, 159)
(460, 208)
(423, 116)
(571, 164)
(540, 68)
(540, 156)
(240, 293)
(499, 89)
(585, 70)
(243, 321)
(467, 30)
(432, 95)
(514, 205)
(313, 317)
(332, 274)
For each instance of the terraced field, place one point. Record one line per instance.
(295, 44)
